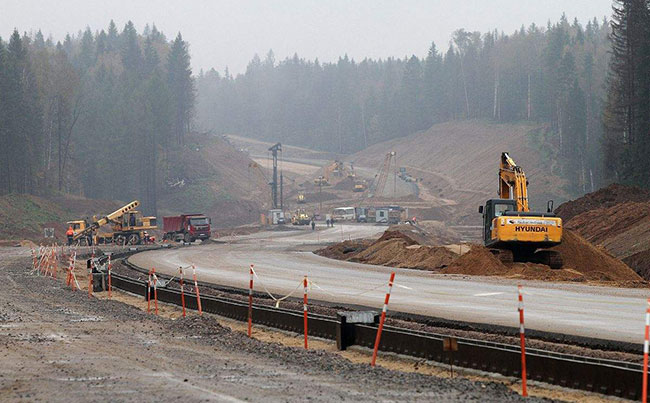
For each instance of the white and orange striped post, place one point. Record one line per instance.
(155, 289)
(90, 273)
(110, 284)
(180, 269)
(149, 293)
(196, 288)
(304, 308)
(646, 341)
(33, 259)
(250, 303)
(55, 262)
(522, 338)
(382, 319)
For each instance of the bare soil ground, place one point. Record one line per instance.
(617, 219)
(458, 163)
(59, 344)
(402, 246)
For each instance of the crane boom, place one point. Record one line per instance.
(513, 183)
(106, 219)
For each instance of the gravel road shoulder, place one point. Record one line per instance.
(58, 344)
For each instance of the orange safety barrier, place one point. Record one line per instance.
(522, 339)
(304, 308)
(196, 287)
(250, 303)
(382, 319)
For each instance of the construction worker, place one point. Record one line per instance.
(313, 224)
(70, 234)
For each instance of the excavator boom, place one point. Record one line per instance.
(513, 183)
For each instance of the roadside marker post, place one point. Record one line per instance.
(196, 287)
(382, 319)
(110, 285)
(149, 293)
(180, 269)
(155, 289)
(522, 337)
(304, 309)
(646, 341)
(90, 273)
(250, 303)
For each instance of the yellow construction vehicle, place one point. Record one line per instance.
(511, 230)
(301, 198)
(127, 227)
(300, 217)
(359, 186)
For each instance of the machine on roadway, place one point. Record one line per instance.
(128, 226)
(511, 230)
(186, 227)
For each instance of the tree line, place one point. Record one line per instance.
(99, 114)
(627, 111)
(553, 76)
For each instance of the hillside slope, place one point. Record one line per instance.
(212, 177)
(458, 164)
(616, 218)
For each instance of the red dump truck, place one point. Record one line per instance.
(186, 227)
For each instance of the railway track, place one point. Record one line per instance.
(604, 376)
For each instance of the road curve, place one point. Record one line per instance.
(281, 261)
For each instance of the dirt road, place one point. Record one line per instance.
(61, 345)
(282, 258)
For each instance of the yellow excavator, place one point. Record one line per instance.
(511, 230)
(128, 226)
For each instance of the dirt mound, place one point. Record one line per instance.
(344, 250)
(399, 252)
(616, 218)
(434, 235)
(606, 197)
(582, 262)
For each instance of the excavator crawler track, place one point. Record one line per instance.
(550, 258)
(504, 255)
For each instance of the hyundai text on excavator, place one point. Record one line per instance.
(127, 227)
(511, 230)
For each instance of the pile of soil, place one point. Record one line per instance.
(406, 246)
(582, 262)
(606, 197)
(617, 219)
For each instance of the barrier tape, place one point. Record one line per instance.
(277, 300)
(196, 288)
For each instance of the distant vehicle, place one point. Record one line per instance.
(277, 217)
(186, 227)
(343, 214)
(362, 218)
(301, 198)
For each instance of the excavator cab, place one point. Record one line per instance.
(494, 208)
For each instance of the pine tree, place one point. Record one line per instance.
(181, 86)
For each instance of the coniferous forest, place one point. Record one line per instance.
(106, 108)
(553, 75)
(102, 113)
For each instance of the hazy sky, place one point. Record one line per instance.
(229, 33)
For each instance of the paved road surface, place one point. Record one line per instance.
(280, 260)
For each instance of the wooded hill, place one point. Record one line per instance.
(101, 114)
(552, 75)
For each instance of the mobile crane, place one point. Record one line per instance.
(511, 230)
(127, 227)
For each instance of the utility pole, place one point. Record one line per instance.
(320, 194)
(274, 184)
